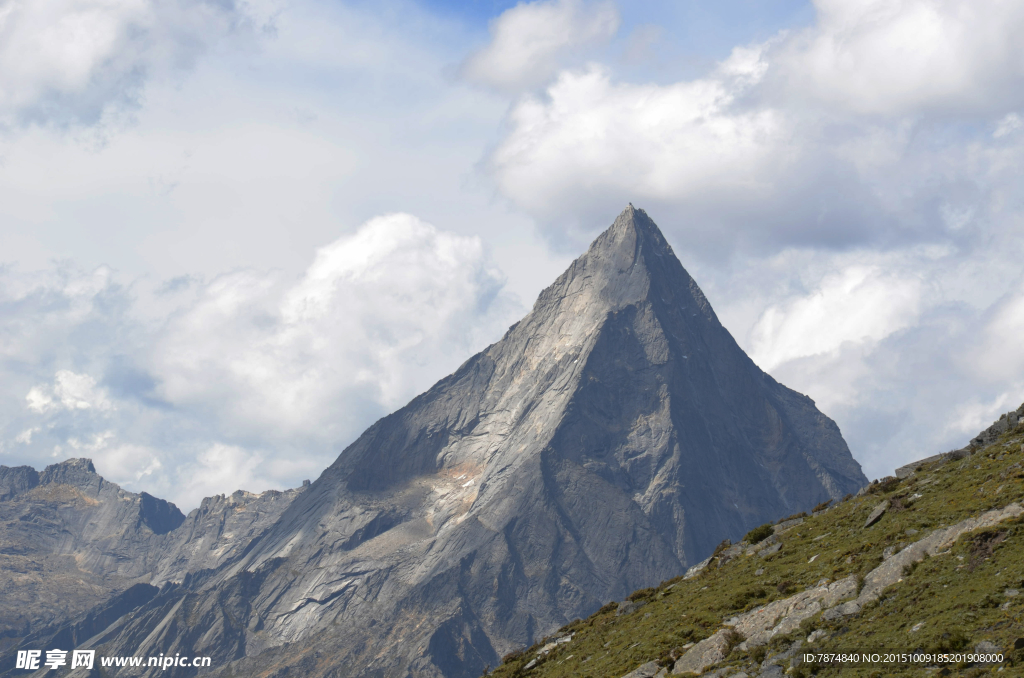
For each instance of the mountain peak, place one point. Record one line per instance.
(629, 263)
(634, 222)
(79, 472)
(630, 236)
(614, 435)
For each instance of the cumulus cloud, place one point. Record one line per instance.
(69, 391)
(530, 40)
(857, 305)
(846, 191)
(590, 141)
(375, 316)
(786, 143)
(846, 194)
(999, 351)
(221, 466)
(72, 61)
(886, 58)
(911, 352)
(249, 377)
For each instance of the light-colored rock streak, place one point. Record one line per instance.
(705, 653)
(784, 616)
(936, 543)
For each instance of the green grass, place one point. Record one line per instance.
(758, 534)
(959, 597)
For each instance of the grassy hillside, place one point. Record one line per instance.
(948, 602)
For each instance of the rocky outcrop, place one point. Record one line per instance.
(648, 670)
(220, 530)
(707, 652)
(876, 513)
(1007, 422)
(612, 437)
(891, 570)
(16, 480)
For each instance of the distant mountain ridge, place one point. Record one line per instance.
(611, 438)
(70, 539)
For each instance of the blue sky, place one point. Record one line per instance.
(233, 234)
(705, 31)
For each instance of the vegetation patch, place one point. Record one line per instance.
(759, 534)
(642, 594)
(982, 546)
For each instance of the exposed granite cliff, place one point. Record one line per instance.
(70, 539)
(611, 438)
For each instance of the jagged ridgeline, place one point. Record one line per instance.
(611, 439)
(930, 562)
(71, 541)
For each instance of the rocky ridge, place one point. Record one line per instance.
(69, 540)
(610, 439)
(1006, 422)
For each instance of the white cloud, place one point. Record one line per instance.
(374, 314)
(841, 134)
(219, 467)
(25, 437)
(911, 352)
(1001, 350)
(590, 141)
(1008, 125)
(530, 41)
(70, 61)
(803, 176)
(905, 57)
(69, 391)
(39, 400)
(971, 417)
(856, 305)
(139, 466)
(79, 392)
(250, 377)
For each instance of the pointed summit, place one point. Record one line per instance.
(611, 438)
(633, 223)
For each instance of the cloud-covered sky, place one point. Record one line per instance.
(234, 233)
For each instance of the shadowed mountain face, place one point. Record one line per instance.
(611, 438)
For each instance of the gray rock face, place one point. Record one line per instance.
(70, 540)
(1006, 422)
(648, 670)
(876, 513)
(610, 439)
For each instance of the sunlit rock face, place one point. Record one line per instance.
(69, 540)
(612, 437)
